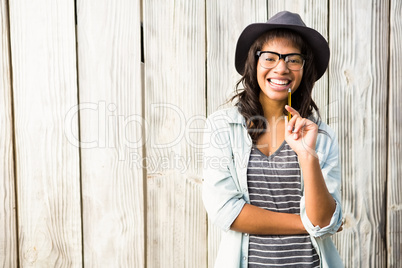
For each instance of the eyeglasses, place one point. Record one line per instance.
(269, 60)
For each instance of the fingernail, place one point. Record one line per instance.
(289, 128)
(295, 136)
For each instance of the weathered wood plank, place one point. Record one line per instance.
(110, 92)
(214, 239)
(8, 233)
(225, 22)
(47, 164)
(174, 35)
(315, 15)
(359, 42)
(394, 198)
(176, 214)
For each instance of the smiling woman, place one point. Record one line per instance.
(274, 208)
(249, 97)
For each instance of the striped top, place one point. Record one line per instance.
(274, 184)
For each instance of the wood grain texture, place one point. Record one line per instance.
(315, 15)
(178, 220)
(214, 239)
(174, 35)
(225, 22)
(8, 233)
(359, 42)
(394, 198)
(110, 92)
(47, 164)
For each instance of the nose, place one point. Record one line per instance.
(281, 67)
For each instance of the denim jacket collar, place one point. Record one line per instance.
(235, 117)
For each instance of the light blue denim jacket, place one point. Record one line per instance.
(225, 192)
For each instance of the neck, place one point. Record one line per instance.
(273, 110)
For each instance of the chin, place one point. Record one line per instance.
(276, 95)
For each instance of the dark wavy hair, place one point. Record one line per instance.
(248, 97)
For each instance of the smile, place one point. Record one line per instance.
(279, 82)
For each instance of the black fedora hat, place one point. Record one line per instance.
(283, 20)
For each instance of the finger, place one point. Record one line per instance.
(288, 127)
(291, 110)
(294, 126)
(299, 124)
(292, 122)
(303, 124)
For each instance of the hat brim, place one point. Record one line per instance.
(313, 38)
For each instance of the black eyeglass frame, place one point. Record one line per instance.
(282, 56)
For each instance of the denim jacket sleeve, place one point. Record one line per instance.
(328, 153)
(221, 194)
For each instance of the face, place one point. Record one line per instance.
(275, 82)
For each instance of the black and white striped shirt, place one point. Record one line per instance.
(274, 184)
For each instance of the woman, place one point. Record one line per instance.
(276, 190)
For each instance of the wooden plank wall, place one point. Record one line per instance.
(8, 231)
(47, 173)
(394, 171)
(174, 52)
(359, 38)
(110, 91)
(102, 154)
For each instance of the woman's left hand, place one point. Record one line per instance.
(300, 134)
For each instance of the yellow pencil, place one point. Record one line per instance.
(289, 102)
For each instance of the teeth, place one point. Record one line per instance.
(279, 82)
